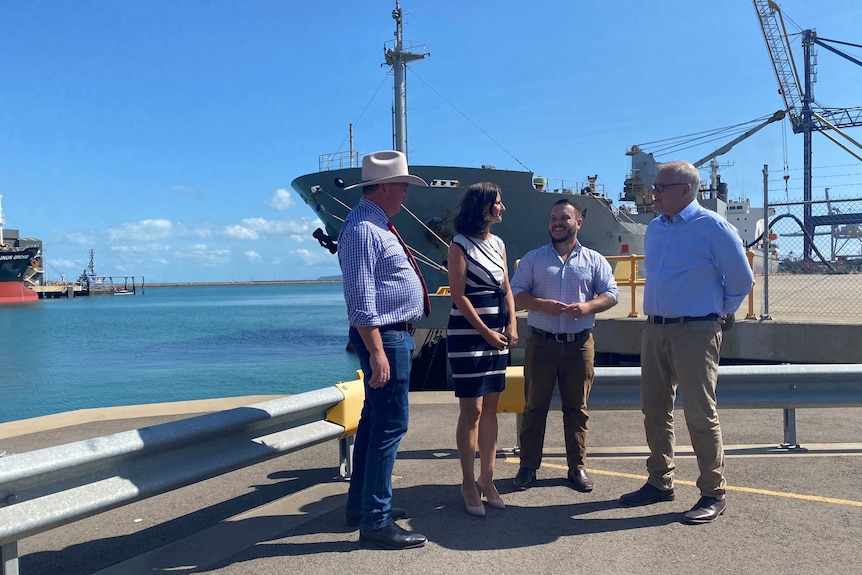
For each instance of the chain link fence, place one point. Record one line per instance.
(815, 262)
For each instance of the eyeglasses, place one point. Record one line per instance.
(659, 188)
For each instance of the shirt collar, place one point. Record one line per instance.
(373, 210)
(684, 214)
(556, 254)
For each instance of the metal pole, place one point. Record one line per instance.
(9, 559)
(790, 443)
(345, 452)
(766, 232)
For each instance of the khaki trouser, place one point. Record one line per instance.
(684, 357)
(547, 362)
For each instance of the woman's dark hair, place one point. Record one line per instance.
(470, 220)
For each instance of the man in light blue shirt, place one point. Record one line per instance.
(563, 285)
(697, 275)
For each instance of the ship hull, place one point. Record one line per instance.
(13, 267)
(524, 226)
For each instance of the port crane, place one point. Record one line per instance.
(806, 114)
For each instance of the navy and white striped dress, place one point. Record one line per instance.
(477, 368)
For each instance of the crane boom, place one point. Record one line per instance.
(775, 35)
(779, 115)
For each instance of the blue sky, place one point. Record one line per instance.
(165, 134)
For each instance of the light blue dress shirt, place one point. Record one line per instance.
(695, 265)
(584, 275)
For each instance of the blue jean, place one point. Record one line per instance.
(381, 426)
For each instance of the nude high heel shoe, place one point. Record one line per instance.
(496, 502)
(476, 510)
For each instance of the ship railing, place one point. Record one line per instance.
(787, 387)
(47, 488)
(339, 161)
(628, 274)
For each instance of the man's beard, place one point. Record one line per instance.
(569, 235)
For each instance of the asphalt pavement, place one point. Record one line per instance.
(789, 512)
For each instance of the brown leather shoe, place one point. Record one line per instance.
(706, 510)
(581, 481)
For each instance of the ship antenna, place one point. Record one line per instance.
(397, 57)
(2, 221)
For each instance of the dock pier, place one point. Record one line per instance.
(107, 285)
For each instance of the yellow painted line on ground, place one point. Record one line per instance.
(753, 490)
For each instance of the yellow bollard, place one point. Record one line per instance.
(512, 398)
(346, 413)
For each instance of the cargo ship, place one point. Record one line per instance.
(17, 266)
(427, 221)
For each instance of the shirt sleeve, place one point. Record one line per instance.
(357, 252)
(603, 280)
(522, 280)
(732, 263)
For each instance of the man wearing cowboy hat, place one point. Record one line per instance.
(384, 294)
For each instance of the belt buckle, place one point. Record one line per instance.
(561, 337)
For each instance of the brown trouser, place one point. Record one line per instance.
(547, 362)
(682, 356)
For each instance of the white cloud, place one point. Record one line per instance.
(313, 257)
(253, 256)
(76, 237)
(281, 200)
(203, 254)
(143, 230)
(257, 228)
(239, 232)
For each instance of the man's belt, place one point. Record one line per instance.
(665, 320)
(562, 337)
(401, 326)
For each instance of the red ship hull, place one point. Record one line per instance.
(13, 265)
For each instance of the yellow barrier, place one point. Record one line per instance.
(626, 274)
(347, 412)
(512, 398)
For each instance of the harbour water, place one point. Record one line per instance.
(171, 344)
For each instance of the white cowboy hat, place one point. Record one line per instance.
(386, 167)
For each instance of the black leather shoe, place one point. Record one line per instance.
(524, 478)
(646, 495)
(581, 481)
(706, 510)
(352, 520)
(390, 537)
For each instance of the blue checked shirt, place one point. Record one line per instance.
(695, 265)
(585, 275)
(380, 285)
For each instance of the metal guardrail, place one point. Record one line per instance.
(787, 387)
(48, 488)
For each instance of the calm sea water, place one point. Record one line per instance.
(171, 344)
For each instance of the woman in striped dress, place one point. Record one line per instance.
(482, 328)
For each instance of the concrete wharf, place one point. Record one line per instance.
(788, 512)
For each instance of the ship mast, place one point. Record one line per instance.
(2, 221)
(397, 57)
